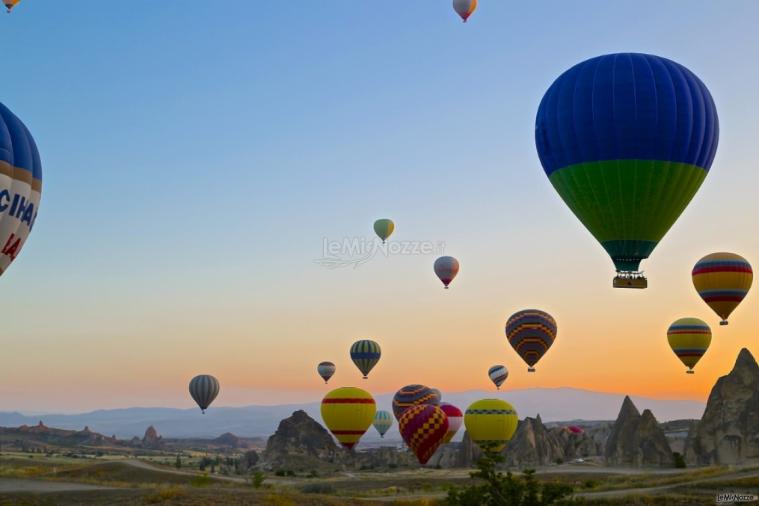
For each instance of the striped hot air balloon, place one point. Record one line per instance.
(423, 428)
(531, 332)
(455, 419)
(626, 140)
(365, 354)
(413, 395)
(384, 228)
(383, 420)
(491, 423)
(20, 186)
(204, 389)
(722, 280)
(348, 412)
(464, 8)
(498, 374)
(326, 370)
(689, 338)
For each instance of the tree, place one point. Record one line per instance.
(496, 489)
(178, 463)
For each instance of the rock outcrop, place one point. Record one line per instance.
(151, 439)
(533, 445)
(728, 433)
(637, 440)
(300, 442)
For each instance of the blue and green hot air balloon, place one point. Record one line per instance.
(626, 140)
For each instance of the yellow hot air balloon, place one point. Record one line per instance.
(722, 280)
(689, 338)
(348, 412)
(491, 423)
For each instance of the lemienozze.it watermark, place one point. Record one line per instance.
(734, 497)
(356, 251)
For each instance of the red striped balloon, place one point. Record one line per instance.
(423, 428)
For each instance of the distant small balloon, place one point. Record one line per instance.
(464, 8)
(384, 228)
(723, 280)
(446, 268)
(383, 420)
(689, 338)
(498, 374)
(531, 333)
(326, 370)
(10, 4)
(204, 389)
(365, 354)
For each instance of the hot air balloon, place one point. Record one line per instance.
(574, 429)
(491, 423)
(455, 419)
(413, 395)
(326, 370)
(348, 412)
(20, 186)
(531, 332)
(438, 393)
(689, 338)
(464, 8)
(10, 4)
(498, 374)
(723, 280)
(383, 420)
(446, 269)
(626, 140)
(204, 389)
(365, 354)
(423, 428)
(384, 228)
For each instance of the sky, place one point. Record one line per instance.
(197, 158)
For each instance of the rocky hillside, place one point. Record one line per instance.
(43, 438)
(728, 433)
(300, 441)
(637, 440)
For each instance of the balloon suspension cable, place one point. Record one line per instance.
(723, 322)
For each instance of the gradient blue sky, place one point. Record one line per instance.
(195, 156)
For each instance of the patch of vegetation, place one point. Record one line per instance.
(679, 460)
(164, 494)
(200, 481)
(318, 488)
(496, 489)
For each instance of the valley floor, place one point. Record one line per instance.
(36, 479)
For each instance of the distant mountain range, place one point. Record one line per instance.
(553, 404)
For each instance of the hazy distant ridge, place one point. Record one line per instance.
(553, 404)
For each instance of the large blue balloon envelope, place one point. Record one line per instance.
(626, 140)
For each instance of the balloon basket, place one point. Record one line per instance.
(635, 281)
(690, 372)
(530, 369)
(723, 323)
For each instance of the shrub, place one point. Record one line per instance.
(679, 461)
(497, 489)
(165, 494)
(201, 481)
(257, 479)
(318, 488)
